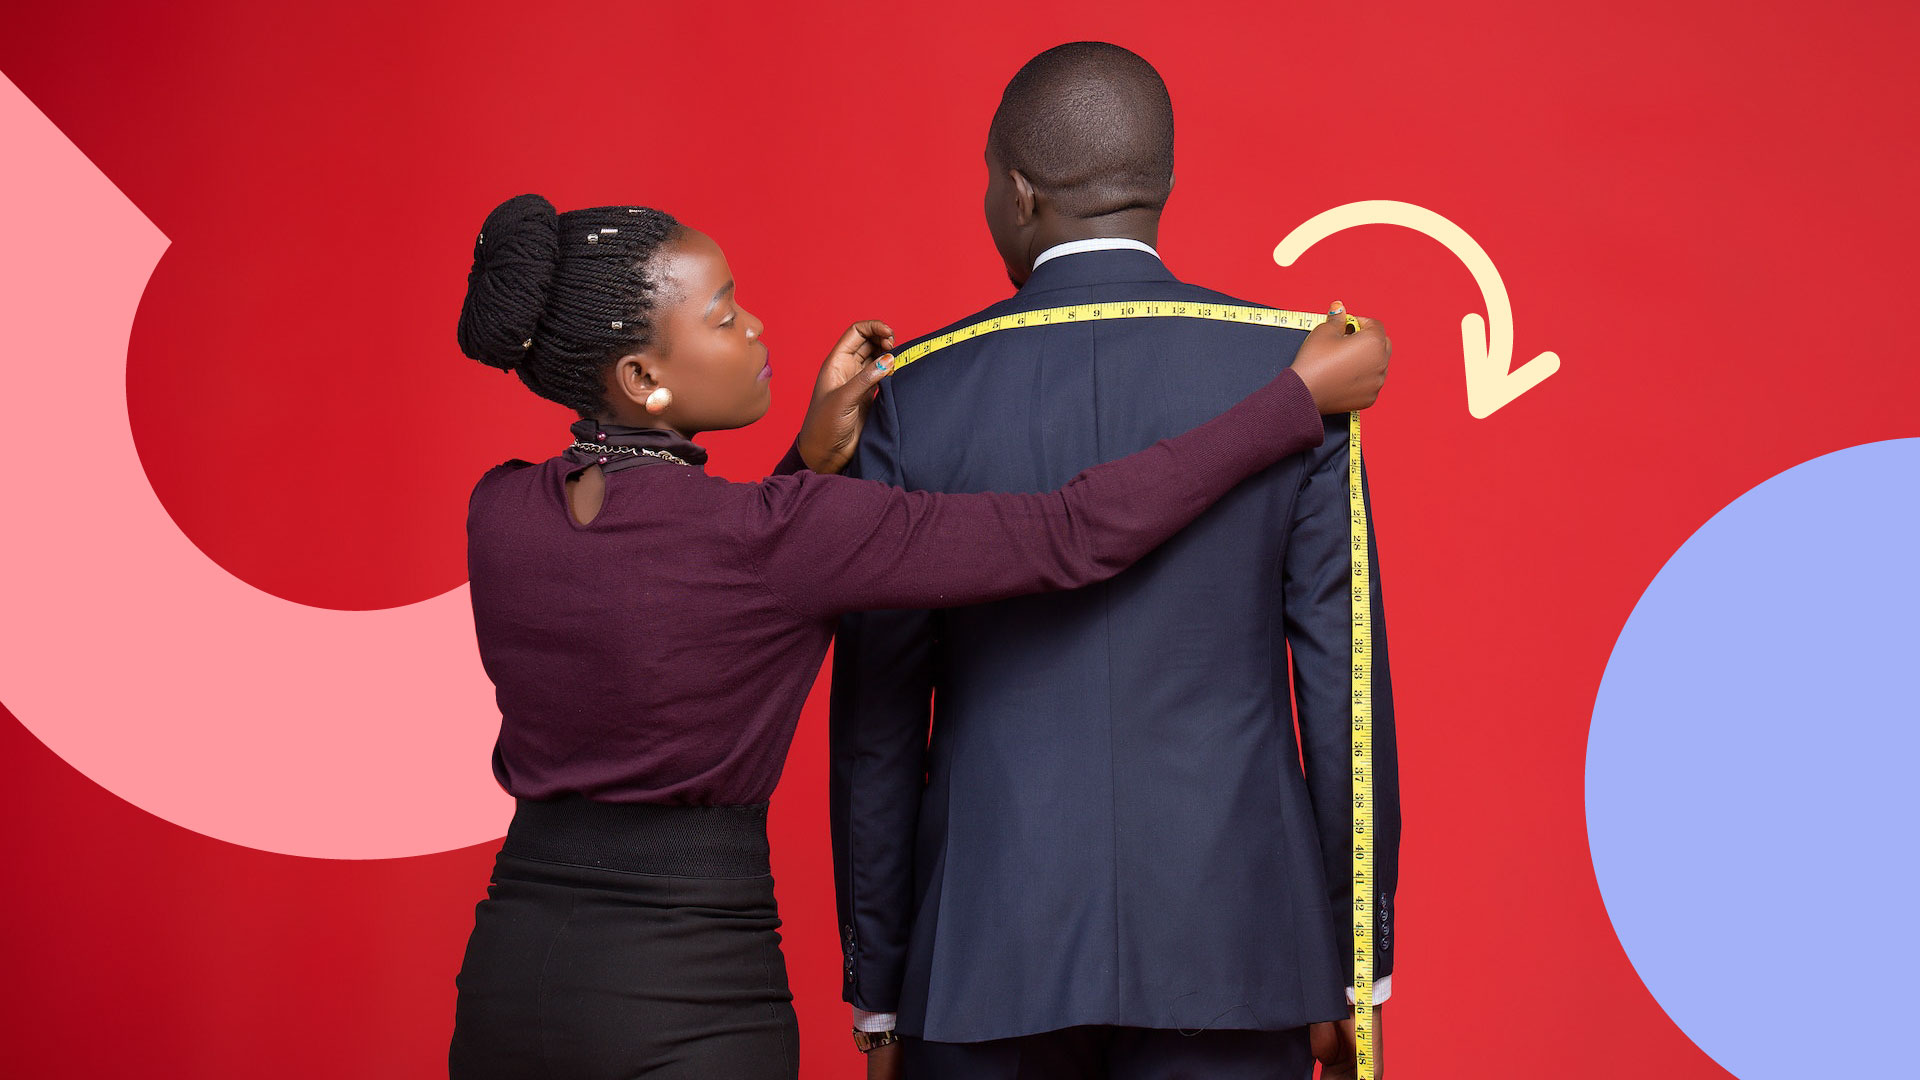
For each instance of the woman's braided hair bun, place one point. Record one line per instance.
(557, 298)
(515, 260)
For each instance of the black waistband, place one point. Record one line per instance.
(642, 838)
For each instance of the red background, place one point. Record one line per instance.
(1703, 208)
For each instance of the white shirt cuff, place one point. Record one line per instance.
(1382, 990)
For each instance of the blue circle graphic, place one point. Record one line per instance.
(1752, 773)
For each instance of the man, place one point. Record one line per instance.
(1110, 859)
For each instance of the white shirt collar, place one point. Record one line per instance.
(1098, 243)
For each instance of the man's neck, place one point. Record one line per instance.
(1139, 224)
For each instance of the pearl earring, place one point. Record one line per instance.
(658, 401)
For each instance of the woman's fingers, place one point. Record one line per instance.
(844, 411)
(1375, 326)
(865, 338)
(842, 394)
(1344, 371)
(850, 338)
(860, 342)
(858, 390)
(857, 346)
(1375, 331)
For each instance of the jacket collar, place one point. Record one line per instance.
(1086, 268)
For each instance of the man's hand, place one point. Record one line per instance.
(1336, 1047)
(884, 1063)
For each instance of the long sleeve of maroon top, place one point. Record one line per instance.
(662, 651)
(830, 545)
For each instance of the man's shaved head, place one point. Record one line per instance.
(1090, 125)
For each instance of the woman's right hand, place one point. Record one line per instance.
(1344, 372)
(842, 395)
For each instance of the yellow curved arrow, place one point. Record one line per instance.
(1492, 381)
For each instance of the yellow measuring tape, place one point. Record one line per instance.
(1362, 591)
(1362, 755)
(1124, 309)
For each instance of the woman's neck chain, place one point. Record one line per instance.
(632, 451)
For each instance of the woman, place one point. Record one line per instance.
(652, 632)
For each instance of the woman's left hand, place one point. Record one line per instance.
(842, 394)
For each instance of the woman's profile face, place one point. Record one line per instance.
(708, 349)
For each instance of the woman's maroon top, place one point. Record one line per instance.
(662, 652)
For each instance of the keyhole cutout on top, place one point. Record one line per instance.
(586, 494)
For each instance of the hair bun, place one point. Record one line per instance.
(514, 260)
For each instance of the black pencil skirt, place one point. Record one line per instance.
(622, 940)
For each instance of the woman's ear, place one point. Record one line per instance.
(634, 378)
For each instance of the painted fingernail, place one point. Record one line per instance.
(1338, 308)
(884, 364)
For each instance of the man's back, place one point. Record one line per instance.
(1115, 827)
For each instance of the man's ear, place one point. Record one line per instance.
(1023, 198)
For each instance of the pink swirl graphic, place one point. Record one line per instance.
(141, 662)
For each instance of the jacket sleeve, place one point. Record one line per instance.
(1318, 600)
(877, 740)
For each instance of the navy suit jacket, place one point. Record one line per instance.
(1113, 821)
